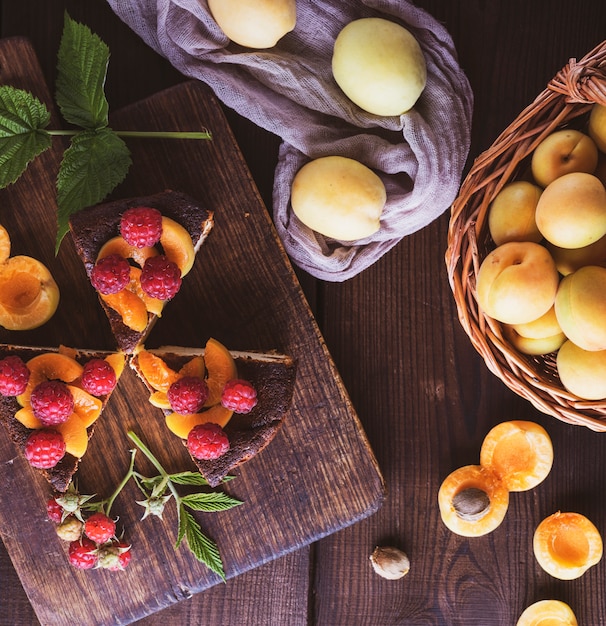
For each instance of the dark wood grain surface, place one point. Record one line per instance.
(424, 397)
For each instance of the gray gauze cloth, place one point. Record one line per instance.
(290, 91)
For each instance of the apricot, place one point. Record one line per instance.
(597, 126)
(473, 501)
(75, 436)
(517, 282)
(194, 367)
(5, 244)
(562, 152)
(86, 406)
(177, 245)
(181, 425)
(152, 305)
(130, 307)
(569, 260)
(519, 453)
(221, 368)
(566, 545)
(582, 372)
(29, 295)
(511, 215)
(49, 366)
(571, 212)
(533, 345)
(157, 373)
(117, 360)
(580, 307)
(118, 245)
(548, 613)
(159, 399)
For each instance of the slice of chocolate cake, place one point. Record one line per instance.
(270, 377)
(55, 390)
(134, 294)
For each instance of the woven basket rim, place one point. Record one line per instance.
(567, 97)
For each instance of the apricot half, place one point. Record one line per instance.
(472, 501)
(520, 453)
(221, 368)
(566, 545)
(118, 245)
(548, 613)
(177, 245)
(181, 425)
(157, 373)
(29, 295)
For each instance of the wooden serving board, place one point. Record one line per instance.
(318, 476)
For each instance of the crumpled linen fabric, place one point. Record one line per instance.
(289, 90)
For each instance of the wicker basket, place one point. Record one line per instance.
(566, 101)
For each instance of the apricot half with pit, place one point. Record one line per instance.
(29, 295)
(548, 613)
(519, 452)
(566, 545)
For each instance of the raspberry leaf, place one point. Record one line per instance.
(95, 163)
(23, 119)
(81, 72)
(214, 501)
(188, 478)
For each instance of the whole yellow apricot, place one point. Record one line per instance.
(545, 326)
(517, 282)
(571, 212)
(379, 65)
(580, 307)
(254, 23)
(511, 215)
(533, 345)
(338, 197)
(562, 152)
(597, 125)
(582, 372)
(568, 260)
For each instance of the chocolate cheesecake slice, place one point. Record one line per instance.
(271, 374)
(69, 366)
(96, 234)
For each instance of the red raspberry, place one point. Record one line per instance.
(52, 402)
(98, 377)
(14, 376)
(110, 274)
(239, 396)
(141, 226)
(160, 277)
(99, 528)
(83, 553)
(187, 395)
(44, 448)
(54, 511)
(207, 441)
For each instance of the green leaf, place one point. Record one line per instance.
(214, 501)
(82, 64)
(94, 164)
(23, 119)
(188, 478)
(201, 546)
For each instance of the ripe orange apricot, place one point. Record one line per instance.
(156, 371)
(86, 407)
(75, 435)
(118, 245)
(49, 366)
(519, 452)
(566, 545)
(131, 308)
(117, 361)
(153, 305)
(472, 501)
(181, 425)
(194, 367)
(177, 245)
(221, 368)
(548, 613)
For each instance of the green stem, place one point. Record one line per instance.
(121, 486)
(205, 134)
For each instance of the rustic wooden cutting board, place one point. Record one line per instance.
(318, 476)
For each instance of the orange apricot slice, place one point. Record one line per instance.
(566, 545)
(194, 367)
(548, 613)
(117, 360)
(153, 305)
(181, 425)
(472, 501)
(86, 407)
(26, 416)
(157, 373)
(221, 368)
(130, 307)
(159, 399)
(519, 452)
(118, 245)
(75, 435)
(177, 245)
(49, 366)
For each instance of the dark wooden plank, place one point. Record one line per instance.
(317, 477)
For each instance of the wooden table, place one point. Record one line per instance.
(425, 398)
